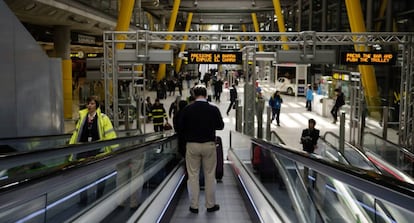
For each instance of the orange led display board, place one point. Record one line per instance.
(214, 57)
(368, 58)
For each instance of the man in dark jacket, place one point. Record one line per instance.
(233, 98)
(340, 100)
(198, 123)
(310, 137)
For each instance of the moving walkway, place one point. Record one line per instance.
(375, 155)
(330, 192)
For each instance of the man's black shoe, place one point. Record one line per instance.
(214, 208)
(194, 210)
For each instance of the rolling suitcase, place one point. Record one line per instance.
(263, 164)
(220, 161)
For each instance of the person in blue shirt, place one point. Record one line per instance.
(275, 102)
(309, 97)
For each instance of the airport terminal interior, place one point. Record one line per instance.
(346, 65)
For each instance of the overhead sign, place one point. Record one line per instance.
(297, 57)
(214, 57)
(368, 58)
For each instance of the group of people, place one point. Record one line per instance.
(196, 142)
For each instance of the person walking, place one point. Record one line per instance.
(218, 88)
(275, 102)
(233, 98)
(198, 123)
(158, 114)
(310, 137)
(93, 125)
(340, 100)
(309, 97)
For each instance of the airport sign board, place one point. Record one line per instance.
(368, 58)
(214, 57)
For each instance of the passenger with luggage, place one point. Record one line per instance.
(198, 124)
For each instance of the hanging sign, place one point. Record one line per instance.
(368, 58)
(214, 57)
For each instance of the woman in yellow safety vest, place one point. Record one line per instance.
(92, 126)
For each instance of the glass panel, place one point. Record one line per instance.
(127, 181)
(30, 211)
(393, 154)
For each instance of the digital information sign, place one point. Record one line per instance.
(214, 57)
(368, 58)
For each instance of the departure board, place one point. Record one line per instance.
(368, 58)
(214, 57)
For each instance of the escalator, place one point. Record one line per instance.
(330, 192)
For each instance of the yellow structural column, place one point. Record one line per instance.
(67, 87)
(257, 29)
(171, 26)
(280, 22)
(124, 19)
(150, 21)
(381, 14)
(369, 81)
(182, 48)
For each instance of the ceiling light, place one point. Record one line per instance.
(253, 3)
(195, 3)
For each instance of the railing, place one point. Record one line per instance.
(50, 196)
(394, 154)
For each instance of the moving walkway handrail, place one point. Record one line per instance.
(399, 193)
(15, 159)
(280, 140)
(35, 142)
(365, 159)
(384, 165)
(397, 147)
(359, 152)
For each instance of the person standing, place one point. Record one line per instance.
(218, 88)
(233, 98)
(93, 125)
(198, 123)
(310, 136)
(174, 107)
(275, 102)
(309, 98)
(340, 100)
(158, 114)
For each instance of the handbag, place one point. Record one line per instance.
(167, 126)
